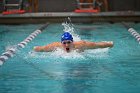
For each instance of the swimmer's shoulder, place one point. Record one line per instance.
(79, 42)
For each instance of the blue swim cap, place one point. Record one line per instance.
(66, 36)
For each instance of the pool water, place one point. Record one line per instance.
(108, 70)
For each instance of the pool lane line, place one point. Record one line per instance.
(133, 32)
(10, 52)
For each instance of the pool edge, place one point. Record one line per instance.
(57, 17)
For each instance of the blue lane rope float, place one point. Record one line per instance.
(133, 32)
(10, 52)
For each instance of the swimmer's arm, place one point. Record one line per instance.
(94, 45)
(42, 49)
(47, 48)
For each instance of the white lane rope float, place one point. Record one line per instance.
(10, 52)
(133, 32)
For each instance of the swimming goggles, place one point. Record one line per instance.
(66, 42)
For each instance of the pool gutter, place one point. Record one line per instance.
(57, 17)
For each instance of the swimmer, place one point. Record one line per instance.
(67, 44)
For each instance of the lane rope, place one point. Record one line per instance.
(133, 32)
(10, 52)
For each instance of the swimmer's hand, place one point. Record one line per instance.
(36, 48)
(109, 43)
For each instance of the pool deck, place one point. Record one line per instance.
(56, 17)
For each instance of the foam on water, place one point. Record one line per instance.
(56, 54)
(94, 53)
(60, 53)
(73, 55)
(97, 53)
(33, 54)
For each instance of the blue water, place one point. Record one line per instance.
(109, 70)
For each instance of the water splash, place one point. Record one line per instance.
(60, 53)
(68, 27)
(33, 54)
(97, 53)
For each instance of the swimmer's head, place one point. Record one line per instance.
(66, 36)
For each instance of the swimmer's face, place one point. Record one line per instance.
(67, 45)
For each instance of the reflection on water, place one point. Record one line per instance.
(80, 78)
